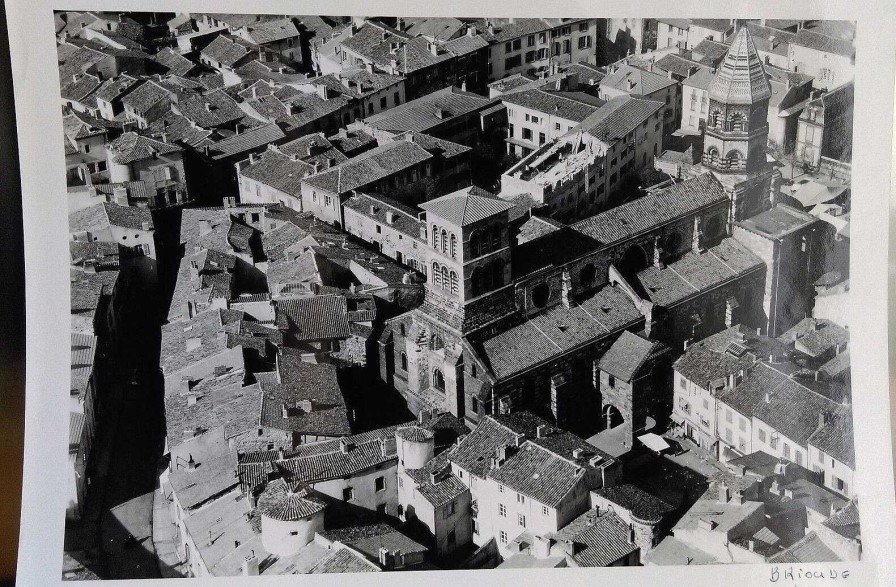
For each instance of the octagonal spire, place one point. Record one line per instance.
(741, 79)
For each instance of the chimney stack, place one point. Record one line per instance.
(541, 431)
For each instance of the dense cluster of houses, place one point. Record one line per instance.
(554, 239)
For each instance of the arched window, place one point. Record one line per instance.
(497, 271)
(475, 245)
(713, 154)
(446, 283)
(496, 239)
(476, 282)
(453, 282)
(435, 237)
(540, 295)
(402, 329)
(587, 274)
(404, 362)
(438, 380)
(736, 122)
(444, 241)
(453, 246)
(436, 274)
(734, 159)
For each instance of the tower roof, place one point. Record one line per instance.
(741, 78)
(466, 206)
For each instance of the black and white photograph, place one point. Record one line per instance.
(356, 294)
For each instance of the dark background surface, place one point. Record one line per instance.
(12, 320)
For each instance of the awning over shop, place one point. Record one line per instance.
(654, 442)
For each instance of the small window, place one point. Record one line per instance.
(521, 520)
(294, 533)
(474, 405)
(520, 498)
(255, 217)
(502, 510)
(503, 537)
(500, 489)
(545, 510)
(348, 494)
(379, 484)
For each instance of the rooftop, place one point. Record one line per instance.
(628, 354)
(551, 103)
(558, 330)
(778, 222)
(635, 81)
(655, 209)
(466, 206)
(741, 79)
(429, 111)
(131, 147)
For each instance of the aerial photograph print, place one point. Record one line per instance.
(384, 293)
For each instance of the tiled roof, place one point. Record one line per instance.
(815, 336)
(475, 450)
(655, 209)
(678, 65)
(296, 111)
(173, 61)
(559, 330)
(145, 97)
(702, 79)
(78, 89)
(325, 460)
(747, 396)
(370, 166)
(845, 521)
(551, 104)
(370, 538)
(714, 358)
(697, 272)
(740, 78)
(771, 40)
(223, 401)
(794, 411)
(75, 128)
(539, 474)
(227, 50)
(314, 148)
(115, 88)
(375, 41)
(77, 61)
(836, 438)
(105, 214)
(351, 141)
(627, 355)
(76, 422)
(619, 117)
(710, 52)
(83, 355)
(466, 44)
(824, 43)
(466, 206)
(278, 171)
(213, 109)
(442, 28)
(178, 129)
(131, 147)
(204, 326)
(605, 541)
(429, 111)
(344, 560)
(446, 487)
(641, 504)
(636, 81)
(809, 549)
(505, 30)
(404, 219)
(287, 502)
(300, 381)
(271, 31)
(314, 318)
(245, 141)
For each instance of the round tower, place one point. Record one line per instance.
(289, 517)
(415, 446)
